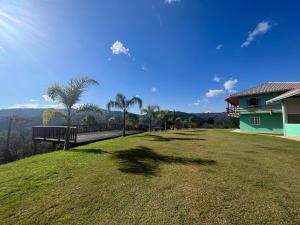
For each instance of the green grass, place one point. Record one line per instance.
(181, 177)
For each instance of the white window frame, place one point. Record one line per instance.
(255, 121)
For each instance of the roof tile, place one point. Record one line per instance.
(269, 87)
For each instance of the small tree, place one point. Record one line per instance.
(112, 121)
(178, 122)
(211, 121)
(122, 103)
(69, 96)
(151, 112)
(132, 122)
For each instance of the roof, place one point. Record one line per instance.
(269, 87)
(285, 95)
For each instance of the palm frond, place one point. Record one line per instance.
(121, 99)
(83, 82)
(113, 105)
(55, 92)
(150, 111)
(52, 113)
(89, 108)
(136, 100)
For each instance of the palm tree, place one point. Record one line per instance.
(151, 112)
(190, 121)
(68, 96)
(164, 115)
(122, 103)
(172, 119)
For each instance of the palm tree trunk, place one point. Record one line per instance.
(149, 129)
(165, 125)
(124, 122)
(67, 141)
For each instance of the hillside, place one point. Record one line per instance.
(34, 117)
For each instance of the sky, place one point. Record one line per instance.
(185, 55)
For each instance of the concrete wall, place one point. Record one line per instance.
(291, 106)
(268, 123)
(292, 130)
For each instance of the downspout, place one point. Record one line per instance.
(284, 116)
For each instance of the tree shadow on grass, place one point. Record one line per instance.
(196, 130)
(89, 150)
(162, 138)
(144, 161)
(185, 133)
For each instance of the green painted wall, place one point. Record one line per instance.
(263, 98)
(268, 123)
(292, 129)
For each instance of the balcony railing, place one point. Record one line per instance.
(236, 110)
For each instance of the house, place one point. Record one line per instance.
(273, 107)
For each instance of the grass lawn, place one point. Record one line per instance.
(179, 177)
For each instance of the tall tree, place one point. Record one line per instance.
(151, 112)
(123, 104)
(69, 96)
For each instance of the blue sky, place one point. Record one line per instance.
(183, 55)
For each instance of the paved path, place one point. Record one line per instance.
(103, 135)
(273, 135)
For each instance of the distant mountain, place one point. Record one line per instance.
(34, 117)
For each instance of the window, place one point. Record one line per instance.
(253, 102)
(294, 118)
(255, 121)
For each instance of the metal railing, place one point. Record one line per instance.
(53, 133)
(236, 110)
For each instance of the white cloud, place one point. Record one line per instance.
(2, 50)
(229, 85)
(25, 105)
(34, 100)
(153, 89)
(219, 47)
(118, 48)
(47, 98)
(217, 78)
(55, 106)
(138, 96)
(202, 102)
(260, 29)
(171, 1)
(214, 93)
(159, 19)
(144, 67)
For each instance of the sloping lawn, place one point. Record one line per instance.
(179, 177)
